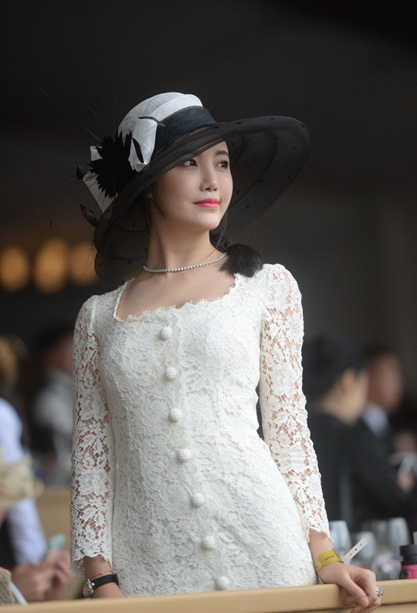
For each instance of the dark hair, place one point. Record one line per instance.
(242, 259)
(325, 359)
(372, 353)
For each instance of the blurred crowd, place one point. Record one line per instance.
(35, 432)
(364, 430)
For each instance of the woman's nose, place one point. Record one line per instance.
(209, 181)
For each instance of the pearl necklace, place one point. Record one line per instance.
(223, 255)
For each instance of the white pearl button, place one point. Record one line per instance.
(170, 373)
(184, 455)
(222, 583)
(208, 542)
(165, 333)
(175, 415)
(197, 500)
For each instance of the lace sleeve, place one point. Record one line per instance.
(92, 453)
(284, 418)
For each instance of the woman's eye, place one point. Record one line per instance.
(189, 163)
(224, 164)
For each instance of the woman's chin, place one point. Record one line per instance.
(207, 223)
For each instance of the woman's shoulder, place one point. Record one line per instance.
(276, 275)
(274, 286)
(100, 304)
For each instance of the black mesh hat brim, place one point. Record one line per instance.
(266, 154)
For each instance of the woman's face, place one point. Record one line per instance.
(196, 193)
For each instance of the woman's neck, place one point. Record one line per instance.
(175, 251)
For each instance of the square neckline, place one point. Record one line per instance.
(146, 314)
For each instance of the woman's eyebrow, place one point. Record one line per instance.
(222, 152)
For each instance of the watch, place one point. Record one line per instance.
(90, 585)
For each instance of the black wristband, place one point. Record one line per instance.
(90, 585)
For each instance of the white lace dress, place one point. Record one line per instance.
(171, 482)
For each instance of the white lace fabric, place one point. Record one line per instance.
(92, 479)
(171, 482)
(282, 402)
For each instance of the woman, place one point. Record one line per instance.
(173, 490)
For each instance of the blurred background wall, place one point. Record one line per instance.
(346, 228)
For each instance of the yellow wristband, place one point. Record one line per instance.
(325, 559)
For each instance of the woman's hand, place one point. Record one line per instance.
(358, 582)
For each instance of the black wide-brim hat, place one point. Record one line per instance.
(266, 154)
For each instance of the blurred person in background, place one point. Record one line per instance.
(385, 392)
(404, 424)
(38, 573)
(390, 414)
(47, 580)
(381, 491)
(335, 385)
(51, 410)
(21, 535)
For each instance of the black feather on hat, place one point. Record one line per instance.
(112, 168)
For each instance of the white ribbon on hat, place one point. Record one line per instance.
(141, 122)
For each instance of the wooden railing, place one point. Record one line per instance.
(399, 597)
